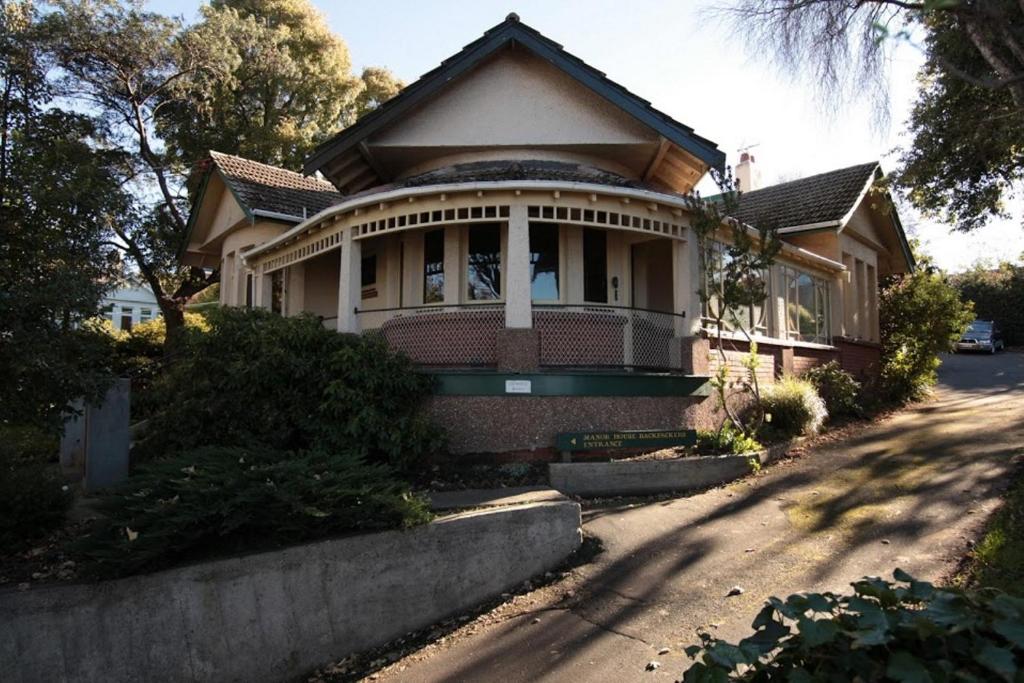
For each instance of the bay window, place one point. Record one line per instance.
(483, 272)
(544, 262)
(807, 306)
(752, 318)
(433, 266)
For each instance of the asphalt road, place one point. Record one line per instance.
(909, 491)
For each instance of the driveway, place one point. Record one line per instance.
(910, 491)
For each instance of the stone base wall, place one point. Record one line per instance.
(525, 427)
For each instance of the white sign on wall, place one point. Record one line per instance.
(518, 386)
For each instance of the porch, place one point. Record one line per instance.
(577, 283)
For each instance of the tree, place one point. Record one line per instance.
(965, 155)
(123, 63)
(734, 260)
(997, 294)
(58, 203)
(284, 84)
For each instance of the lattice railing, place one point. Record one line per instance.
(607, 336)
(440, 335)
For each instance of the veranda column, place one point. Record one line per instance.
(518, 307)
(686, 287)
(349, 282)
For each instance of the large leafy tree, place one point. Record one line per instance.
(964, 156)
(284, 84)
(261, 78)
(59, 201)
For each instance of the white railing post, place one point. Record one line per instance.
(518, 307)
(349, 283)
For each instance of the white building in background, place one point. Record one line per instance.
(130, 305)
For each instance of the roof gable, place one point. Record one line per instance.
(264, 189)
(344, 158)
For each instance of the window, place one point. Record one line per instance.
(754, 317)
(595, 265)
(108, 312)
(277, 291)
(368, 271)
(433, 267)
(483, 272)
(248, 290)
(126, 318)
(146, 314)
(807, 307)
(544, 262)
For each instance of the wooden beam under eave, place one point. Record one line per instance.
(342, 164)
(356, 172)
(652, 167)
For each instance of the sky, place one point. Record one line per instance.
(690, 65)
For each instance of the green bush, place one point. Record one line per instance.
(256, 379)
(910, 631)
(33, 497)
(920, 316)
(227, 499)
(726, 441)
(793, 407)
(837, 388)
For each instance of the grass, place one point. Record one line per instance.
(998, 559)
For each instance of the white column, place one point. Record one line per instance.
(349, 283)
(518, 307)
(780, 316)
(861, 323)
(872, 302)
(686, 286)
(572, 281)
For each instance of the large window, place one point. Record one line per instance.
(595, 266)
(483, 272)
(433, 266)
(754, 317)
(544, 261)
(807, 307)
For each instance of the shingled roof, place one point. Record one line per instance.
(264, 188)
(818, 200)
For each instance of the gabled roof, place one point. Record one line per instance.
(508, 32)
(261, 188)
(817, 201)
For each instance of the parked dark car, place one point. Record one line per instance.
(982, 335)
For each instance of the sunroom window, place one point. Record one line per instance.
(483, 272)
(433, 267)
(751, 318)
(544, 261)
(807, 307)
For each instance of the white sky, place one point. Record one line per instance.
(687, 64)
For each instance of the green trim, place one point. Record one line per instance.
(492, 383)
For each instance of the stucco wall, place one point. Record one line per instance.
(275, 616)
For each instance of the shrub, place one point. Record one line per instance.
(920, 316)
(726, 441)
(33, 497)
(837, 388)
(910, 631)
(232, 499)
(256, 379)
(793, 407)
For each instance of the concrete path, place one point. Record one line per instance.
(909, 492)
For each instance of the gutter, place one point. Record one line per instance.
(274, 215)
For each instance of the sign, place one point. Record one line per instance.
(648, 438)
(518, 386)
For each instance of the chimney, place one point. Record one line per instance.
(747, 174)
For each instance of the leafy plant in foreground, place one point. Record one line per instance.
(837, 387)
(907, 631)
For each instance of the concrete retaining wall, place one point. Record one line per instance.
(272, 616)
(643, 477)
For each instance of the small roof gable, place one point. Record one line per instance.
(263, 188)
(825, 198)
(510, 31)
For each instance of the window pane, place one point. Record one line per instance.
(808, 313)
(484, 262)
(433, 266)
(595, 265)
(368, 271)
(146, 314)
(544, 261)
(277, 291)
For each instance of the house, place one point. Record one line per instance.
(519, 225)
(129, 305)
